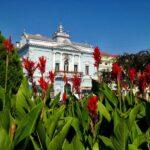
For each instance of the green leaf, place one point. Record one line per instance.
(133, 114)
(75, 144)
(41, 133)
(56, 100)
(2, 97)
(27, 124)
(140, 140)
(109, 94)
(120, 135)
(23, 99)
(95, 147)
(35, 145)
(52, 122)
(107, 141)
(5, 142)
(5, 119)
(102, 110)
(58, 140)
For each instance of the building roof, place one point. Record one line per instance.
(59, 39)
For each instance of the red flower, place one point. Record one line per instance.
(8, 45)
(76, 83)
(132, 74)
(51, 76)
(142, 81)
(30, 67)
(147, 73)
(92, 105)
(43, 84)
(147, 68)
(65, 79)
(116, 70)
(97, 57)
(41, 64)
(64, 97)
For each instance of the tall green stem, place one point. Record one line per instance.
(6, 78)
(119, 91)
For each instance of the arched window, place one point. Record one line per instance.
(66, 65)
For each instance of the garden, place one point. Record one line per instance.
(105, 119)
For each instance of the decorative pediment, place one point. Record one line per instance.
(68, 47)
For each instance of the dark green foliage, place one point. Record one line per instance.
(138, 61)
(15, 73)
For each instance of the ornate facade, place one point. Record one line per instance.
(63, 56)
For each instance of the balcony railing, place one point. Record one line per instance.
(61, 72)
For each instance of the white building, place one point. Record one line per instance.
(63, 56)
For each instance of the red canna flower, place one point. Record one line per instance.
(51, 76)
(116, 70)
(30, 67)
(147, 73)
(147, 68)
(41, 64)
(8, 45)
(97, 57)
(132, 74)
(65, 79)
(92, 105)
(142, 81)
(76, 83)
(43, 84)
(64, 97)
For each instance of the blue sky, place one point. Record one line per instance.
(117, 26)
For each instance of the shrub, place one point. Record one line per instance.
(15, 73)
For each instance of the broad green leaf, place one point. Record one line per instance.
(140, 140)
(5, 142)
(23, 99)
(41, 133)
(109, 94)
(58, 140)
(95, 147)
(102, 110)
(75, 144)
(132, 147)
(107, 141)
(2, 97)
(120, 135)
(5, 119)
(133, 114)
(27, 124)
(116, 118)
(35, 145)
(52, 122)
(55, 102)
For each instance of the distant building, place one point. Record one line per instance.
(63, 56)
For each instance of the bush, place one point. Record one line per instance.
(15, 73)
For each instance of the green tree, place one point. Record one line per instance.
(15, 73)
(138, 60)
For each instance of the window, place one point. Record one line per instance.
(75, 68)
(57, 67)
(66, 66)
(86, 70)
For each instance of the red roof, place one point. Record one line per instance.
(106, 54)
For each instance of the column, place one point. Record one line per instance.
(72, 62)
(53, 61)
(61, 62)
(79, 63)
